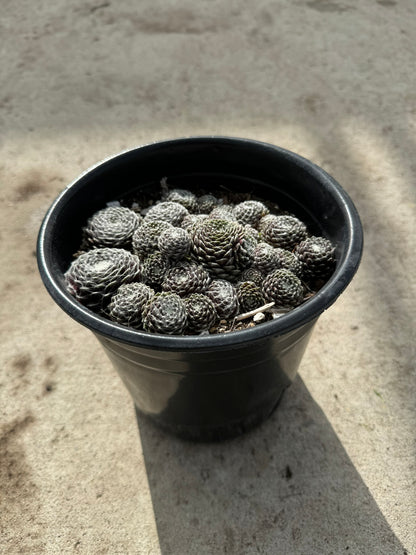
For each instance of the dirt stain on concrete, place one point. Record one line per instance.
(18, 493)
(21, 364)
(29, 188)
(50, 364)
(387, 3)
(33, 182)
(328, 6)
(19, 378)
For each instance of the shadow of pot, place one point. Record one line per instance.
(216, 386)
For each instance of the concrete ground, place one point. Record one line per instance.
(333, 471)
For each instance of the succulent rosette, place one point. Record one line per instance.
(289, 261)
(265, 220)
(112, 227)
(184, 197)
(165, 313)
(223, 212)
(95, 275)
(252, 274)
(284, 288)
(155, 268)
(201, 312)
(317, 255)
(186, 278)
(249, 295)
(126, 305)
(224, 296)
(245, 247)
(174, 243)
(206, 203)
(192, 220)
(284, 231)
(168, 211)
(250, 230)
(250, 212)
(145, 239)
(222, 247)
(265, 258)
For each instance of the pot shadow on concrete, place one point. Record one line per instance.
(286, 487)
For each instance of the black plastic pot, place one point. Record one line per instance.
(216, 386)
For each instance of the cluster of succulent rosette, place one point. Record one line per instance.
(183, 263)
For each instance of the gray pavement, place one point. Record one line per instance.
(333, 470)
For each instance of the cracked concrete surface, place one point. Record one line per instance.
(333, 470)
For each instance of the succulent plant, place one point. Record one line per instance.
(249, 296)
(126, 305)
(284, 288)
(250, 230)
(264, 221)
(222, 247)
(206, 203)
(95, 275)
(154, 269)
(245, 247)
(224, 296)
(167, 211)
(250, 212)
(192, 220)
(317, 254)
(265, 258)
(112, 227)
(165, 313)
(289, 261)
(223, 212)
(146, 237)
(174, 243)
(284, 231)
(201, 313)
(186, 278)
(194, 260)
(184, 197)
(252, 274)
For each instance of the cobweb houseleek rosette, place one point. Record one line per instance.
(265, 258)
(317, 255)
(146, 237)
(154, 268)
(223, 247)
(283, 231)
(126, 305)
(222, 212)
(183, 196)
(283, 288)
(165, 313)
(252, 274)
(249, 295)
(112, 227)
(201, 312)
(186, 278)
(174, 243)
(224, 296)
(206, 203)
(250, 212)
(167, 211)
(95, 275)
(289, 261)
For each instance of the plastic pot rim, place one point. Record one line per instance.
(306, 312)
